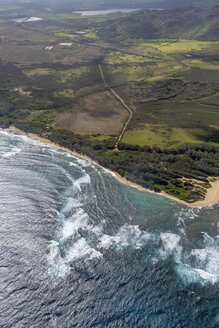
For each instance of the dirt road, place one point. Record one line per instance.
(123, 104)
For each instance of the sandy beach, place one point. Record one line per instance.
(211, 197)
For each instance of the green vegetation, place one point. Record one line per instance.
(184, 46)
(184, 24)
(164, 66)
(159, 135)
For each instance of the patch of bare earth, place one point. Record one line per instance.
(80, 55)
(23, 92)
(97, 113)
(90, 53)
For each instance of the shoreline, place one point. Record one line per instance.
(211, 197)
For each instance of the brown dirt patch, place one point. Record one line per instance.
(22, 92)
(90, 53)
(98, 113)
(75, 54)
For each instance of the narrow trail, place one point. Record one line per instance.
(198, 101)
(216, 94)
(206, 105)
(123, 104)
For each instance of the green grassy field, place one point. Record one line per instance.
(161, 136)
(184, 46)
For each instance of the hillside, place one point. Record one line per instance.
(193, 23)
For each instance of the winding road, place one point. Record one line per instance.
(123, 104)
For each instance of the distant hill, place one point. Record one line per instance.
(192, 23)
(206, 3)
(168, 4)
(63, 5)
(102, 4)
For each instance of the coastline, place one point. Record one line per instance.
(211, 197)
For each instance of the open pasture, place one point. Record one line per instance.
(97, 113)
(173, 46)
(158, 135)
(184, 46)
(170, 125)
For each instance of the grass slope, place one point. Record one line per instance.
(191, 23)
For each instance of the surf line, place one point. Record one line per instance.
(117, 96)
(211, 198)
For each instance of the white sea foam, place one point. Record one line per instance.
(74, 221)
(201, 265)
(208, 240)
(207, 276)
(71, 203)
(83, 162)
(207, 260)
(80, 250)
(190, 275)
(58, 267)
(128, 235)
(80, 220)
(83, 180)
(195, 266)
(187, 274)
(73, 164)
(11, 153)
(189, 213)
(170, 245)
(69, 229)
(97, 230)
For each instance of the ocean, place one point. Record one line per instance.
(79, 248)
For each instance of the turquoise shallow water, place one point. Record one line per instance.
(80, 249)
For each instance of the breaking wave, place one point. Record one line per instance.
(80, 239)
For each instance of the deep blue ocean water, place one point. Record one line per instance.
(78, 248)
